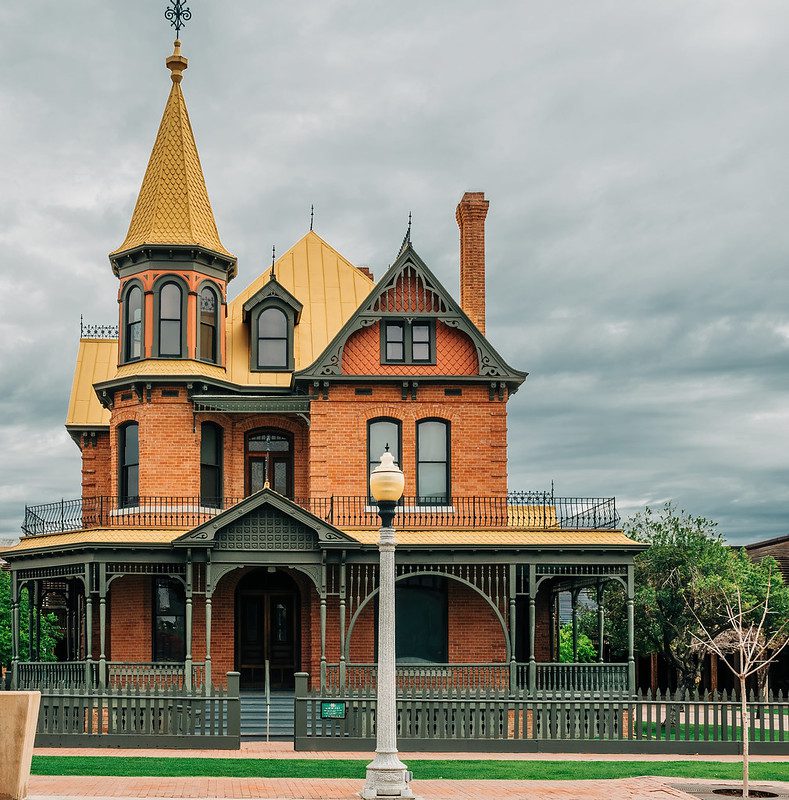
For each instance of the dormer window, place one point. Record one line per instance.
(272, 314)
(408, 342)
(272, 339)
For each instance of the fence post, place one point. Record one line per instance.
(233, 703)
(300, 705)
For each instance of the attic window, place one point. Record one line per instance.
(408, 342)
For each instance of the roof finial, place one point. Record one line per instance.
(178, 15)
(273, 259)
(312, 214)
(407, 237)
(177, 63)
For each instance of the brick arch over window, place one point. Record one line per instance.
(456, 354)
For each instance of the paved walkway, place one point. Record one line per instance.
(285, 750)
(54, 787)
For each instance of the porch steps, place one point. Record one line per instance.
(253, 715)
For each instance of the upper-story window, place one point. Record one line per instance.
(380, 433)
(211, 446)
(171, 331)
(132, 324)
(208, 338)
(408, 342)
(128, 464)
(432, 461)
(273, 339)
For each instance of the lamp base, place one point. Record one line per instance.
(387, 777)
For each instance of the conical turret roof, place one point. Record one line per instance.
(173, 206)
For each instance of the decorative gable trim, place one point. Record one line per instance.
(273, 290)
(206, 533)
(409, 289)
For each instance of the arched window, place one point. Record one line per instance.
(129, 464)
(170, 319)
(132, 333)
(432, 461)
(209, 325)
(382, 432)
(272, 339)
(211, 442)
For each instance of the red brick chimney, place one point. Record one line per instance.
(470, 214)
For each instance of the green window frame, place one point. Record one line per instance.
(410, 341)
(380, 432)
(211, 458)
(133, 344)
(433, 461)
(129, 464)
(264, 336)
(208, 307)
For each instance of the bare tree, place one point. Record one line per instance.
(748, 645)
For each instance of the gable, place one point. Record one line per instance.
(409, 288)
(266, 528)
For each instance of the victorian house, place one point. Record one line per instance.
(226, 523)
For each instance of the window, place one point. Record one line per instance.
(129, 462)
(432, 461)
(170, 319)
(132, 334)
(380, 433)
(422, 631)
(395, 341)
(169, 620)
(272, 339)
(211, 439)
(209, 341)
(408, 342)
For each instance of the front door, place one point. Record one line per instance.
(267, 631)
(269, 458)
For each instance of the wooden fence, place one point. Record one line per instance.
(490, 721)
(162, 716)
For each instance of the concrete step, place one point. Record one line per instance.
(254, 712)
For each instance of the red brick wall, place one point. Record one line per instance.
(470, 215)
(338, 438)
(130, 613)
(96, 460)
(475, 633)
(455, 355)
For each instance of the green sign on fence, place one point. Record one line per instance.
(330, 710)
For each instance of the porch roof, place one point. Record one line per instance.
(96, 536)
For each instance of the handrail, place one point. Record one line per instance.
(515, 510)
(268, 700)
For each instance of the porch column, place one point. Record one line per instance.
(513, 586)
(38, 595)
(532, 625)
(14, 630)
(188, 622)
(342, 675)
(103, 624)
(209, 590)
(88, 629)
(631, 662)
(31, 602)
(600, 621)
(323, 621)
(574, 599)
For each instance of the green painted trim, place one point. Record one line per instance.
(407, 325)
(123, 300)
(157, 290)
(254, 341)
(273, 290)
(253, 404)
(218, 329)
(157, 256)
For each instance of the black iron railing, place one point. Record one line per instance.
(525, 510)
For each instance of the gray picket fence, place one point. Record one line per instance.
(132, 716)
(490, 721)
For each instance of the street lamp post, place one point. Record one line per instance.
(387, 776)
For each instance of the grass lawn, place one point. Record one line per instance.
(438, 768)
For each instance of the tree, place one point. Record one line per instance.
(587, 652)
(50, 630)
(755, 634)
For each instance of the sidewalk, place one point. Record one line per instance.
(55, 787)
(285, 750)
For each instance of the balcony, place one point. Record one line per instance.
(516, 510)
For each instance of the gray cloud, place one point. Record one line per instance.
(635, 159)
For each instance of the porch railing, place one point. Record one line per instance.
(562, 677)
(528, 510)
(51, 674)
(430, 677)
(121, 675)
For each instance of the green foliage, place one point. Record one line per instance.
(687, 566)
(50, 630)
(587, 652)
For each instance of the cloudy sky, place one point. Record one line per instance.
(635, 154)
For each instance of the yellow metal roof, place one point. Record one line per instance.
(173, 205)
(96, 536)
(169, 366)
(96, 361)
(330, 289)
(499, 537)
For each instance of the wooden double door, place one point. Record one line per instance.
(267, 630)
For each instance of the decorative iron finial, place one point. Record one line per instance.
(273, 259)
(407, 237)
(386, 449)
(178, 15)
(312, 215)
